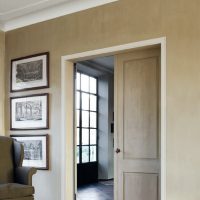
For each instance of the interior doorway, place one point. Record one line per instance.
(95, 128)
(68, 146)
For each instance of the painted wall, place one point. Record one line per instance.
(118, 23)
(110, 134)
(105, 141)
(2, 79)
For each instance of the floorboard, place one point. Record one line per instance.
(97, 191)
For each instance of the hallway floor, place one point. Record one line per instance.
(97, 191)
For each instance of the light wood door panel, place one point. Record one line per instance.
(140, 186)
(137, 114)
(140, 108)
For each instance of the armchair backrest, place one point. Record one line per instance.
(18, 153)
(6, 160)
(11, 157)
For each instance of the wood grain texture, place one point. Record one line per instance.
(137, 110)
(140, 186)
(140, 108)
(138, 103)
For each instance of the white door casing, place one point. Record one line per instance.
(67, 131)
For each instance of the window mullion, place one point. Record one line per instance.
(89, 121)
(97, 119)
(80, 117)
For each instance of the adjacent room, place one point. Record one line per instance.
(95, 128)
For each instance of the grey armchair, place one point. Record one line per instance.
(15, 180)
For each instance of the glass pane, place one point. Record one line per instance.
(78, 81)
(93, 136)
(85, 154)
(84, 82)
(77, 136)
(77, 100)
(93, 85)
(93, 119)
(93, 153)
(77, 118)
(85, 119)
(93, 102)
(77, 154)
(85, 136)
(85, 101)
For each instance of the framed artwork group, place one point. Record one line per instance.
(31, 112)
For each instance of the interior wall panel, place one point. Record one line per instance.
(2, 83)
(141, 108)
(135, 181)
(114, 24)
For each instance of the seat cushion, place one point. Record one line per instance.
(14, 190)
(22, 198)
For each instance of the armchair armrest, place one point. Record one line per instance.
(23, 175)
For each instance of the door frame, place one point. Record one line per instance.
(67, 111)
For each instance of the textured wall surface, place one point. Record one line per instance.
(113, 24)
(2, 79)
(105, 137)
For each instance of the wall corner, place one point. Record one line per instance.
(2, 83)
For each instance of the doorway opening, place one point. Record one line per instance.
(157, 175)
(95, 128)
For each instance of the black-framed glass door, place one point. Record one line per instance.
(87, 127)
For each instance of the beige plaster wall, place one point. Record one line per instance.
(118, 23)
(2, 79)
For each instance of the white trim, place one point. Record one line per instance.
(22, 8)
(53, 12)
(163, 119)
(63, 128)
(68, 59)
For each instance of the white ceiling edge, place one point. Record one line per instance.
(51, 13)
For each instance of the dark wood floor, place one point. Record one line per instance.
(97, 191)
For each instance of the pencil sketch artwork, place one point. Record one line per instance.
(30, 71)
(32, 149)
(28, 110)
(35, 150)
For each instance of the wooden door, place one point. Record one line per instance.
(137, 114)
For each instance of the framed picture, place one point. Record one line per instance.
(36, 150)
(31, 72)
(29, 112)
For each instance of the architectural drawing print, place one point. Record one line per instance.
(32, 150)
(30, 71)
(28, 110)
(36, 150)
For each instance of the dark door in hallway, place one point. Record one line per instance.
(87, 128)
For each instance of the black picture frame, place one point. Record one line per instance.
(30, 72)
(29, 118)
(36, 150)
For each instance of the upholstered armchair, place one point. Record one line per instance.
(15, 180)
